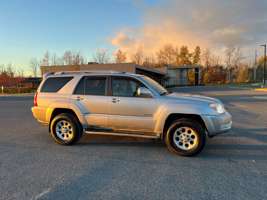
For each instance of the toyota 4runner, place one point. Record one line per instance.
(124, 104)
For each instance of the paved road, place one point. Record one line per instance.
(232, 166)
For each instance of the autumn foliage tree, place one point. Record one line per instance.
(242, 75)
(196, 55)
(213, 69)
(120, 56)
(185, 56)
(168, 55)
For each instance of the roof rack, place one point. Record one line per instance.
(81, 72)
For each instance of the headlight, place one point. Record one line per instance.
(219, 108)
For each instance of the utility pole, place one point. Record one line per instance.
(255, 66)
(264, 64)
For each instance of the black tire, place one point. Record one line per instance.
(76, 129)
(176, 141)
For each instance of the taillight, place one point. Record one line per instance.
(35, 99)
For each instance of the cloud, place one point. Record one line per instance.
(208, 23)
(122, 39)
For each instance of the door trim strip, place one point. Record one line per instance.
(122, 134)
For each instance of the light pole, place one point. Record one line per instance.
(264, 64)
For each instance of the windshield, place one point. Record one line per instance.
(155, 85)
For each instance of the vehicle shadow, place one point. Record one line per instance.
(230, 146)
(235, 152)
(118, 141)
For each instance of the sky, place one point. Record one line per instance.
(28, 28)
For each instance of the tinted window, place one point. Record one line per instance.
(55, 84)
(91, 86)
(125, 87)
(80, 87)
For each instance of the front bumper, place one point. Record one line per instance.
(217, 124)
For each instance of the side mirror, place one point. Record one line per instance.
(144, 92)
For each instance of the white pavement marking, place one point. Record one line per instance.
(42, 194)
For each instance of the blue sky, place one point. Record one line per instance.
(30, 27)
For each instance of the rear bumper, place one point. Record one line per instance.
(39, 114)
(217, 124)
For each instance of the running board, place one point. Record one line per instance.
(123, 134)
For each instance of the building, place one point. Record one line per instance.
(168, 75)
(123, 67)
(30, 82)
(179, 75)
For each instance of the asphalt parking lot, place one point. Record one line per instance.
(232, 166)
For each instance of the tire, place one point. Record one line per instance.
(65, 129)
(185, 137)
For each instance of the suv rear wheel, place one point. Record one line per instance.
(185, 137)
(65, 129)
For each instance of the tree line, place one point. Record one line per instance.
(227, 68)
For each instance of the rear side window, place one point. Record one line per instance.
(55, 84)
(91, 86)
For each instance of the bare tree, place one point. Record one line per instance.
(2, 68)
(10, 70)
(34, 65)
(237, 57)
(217, 60)
(229, 52)
(46, 59)
(233, 60)
(77, 58)
(54, 59)
(20, 72)
(101, 56)
(67, 57)
(206, 58)
(149, 61)
(120, 56)
(138, 57)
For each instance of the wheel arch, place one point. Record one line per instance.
(58, 111)
(174, 116)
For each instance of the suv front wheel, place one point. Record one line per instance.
(185, 137)
(65, 129)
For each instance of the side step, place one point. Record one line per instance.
(123, 134)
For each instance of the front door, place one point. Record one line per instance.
(127, 111)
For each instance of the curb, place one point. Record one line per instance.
(261, 89)
(17, 95)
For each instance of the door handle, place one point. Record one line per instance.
(78, 98)
(115, 100)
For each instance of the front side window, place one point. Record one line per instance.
(91, 86)
(125, 87)
(155, 85)
(54, 84)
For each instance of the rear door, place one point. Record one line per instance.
(91, 95)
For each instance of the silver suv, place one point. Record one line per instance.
(124, 104)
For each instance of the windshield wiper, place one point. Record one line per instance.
(163, 93)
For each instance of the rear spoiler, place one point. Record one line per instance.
(48, 74)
